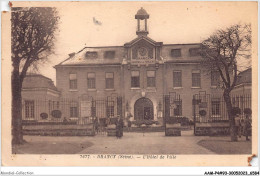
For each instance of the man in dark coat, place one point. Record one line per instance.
(247, 123)
(119, 127)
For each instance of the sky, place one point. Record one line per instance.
(169, 22)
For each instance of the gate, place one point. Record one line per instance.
(109, 107)
(106, 111)
(172, 107)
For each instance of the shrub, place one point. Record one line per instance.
(44, 115)
(182, 120)
(144, 122)
(247, 111)
(56, 113)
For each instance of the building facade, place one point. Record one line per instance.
(39, 95)
(141, 73)
(244, 83)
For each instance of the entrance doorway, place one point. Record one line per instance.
(143, 109)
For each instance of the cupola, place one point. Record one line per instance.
(142, 17)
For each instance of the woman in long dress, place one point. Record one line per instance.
(119, 128)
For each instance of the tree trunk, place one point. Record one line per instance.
(233, 131)
(16, 108)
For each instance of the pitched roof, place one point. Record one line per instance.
(244, 76)
(38, 81)
(95, 55)
(148, 39)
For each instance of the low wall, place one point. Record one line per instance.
(145, 129)
(59, 130)
(111, 130)
(212, 129)
(173, 129)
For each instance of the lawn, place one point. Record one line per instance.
(225, 146)
(57, 147)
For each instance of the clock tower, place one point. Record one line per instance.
(142, 50)
(142, 17)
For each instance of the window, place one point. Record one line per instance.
(215, 78)
(73, 109)
(196, 78)
(194, 51)
(91, 80)
(150, 78)
(176, 52)
(73, 81)
(29, 109)
(91, 55)
(177, 79)
(109, 80)
(109, 54)
(135, 79)
(215, 106)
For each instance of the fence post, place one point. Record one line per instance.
(166, 109)
(194, 114)
(119, 106)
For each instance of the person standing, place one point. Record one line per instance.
(96, 125)
(238, 125)
(247, 127)
(247, 123)
(119, 127)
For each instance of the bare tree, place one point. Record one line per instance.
(222, 52)
(33, 33)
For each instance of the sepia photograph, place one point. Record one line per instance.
(130, 82)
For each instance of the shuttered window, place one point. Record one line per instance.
(91, 80)
(135, 79)
(73, 81)
(176, 53)
(196, 79)
(194, 52)
(109, 80)
(177, 79)
(150, 78)
(109, 54)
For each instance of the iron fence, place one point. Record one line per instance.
(212, 108)
(68, 111)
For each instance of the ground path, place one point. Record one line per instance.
(133, 143)
(130, 143)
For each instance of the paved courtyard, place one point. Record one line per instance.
(131, 143)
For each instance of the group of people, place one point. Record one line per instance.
(243, 126)
(119, 126)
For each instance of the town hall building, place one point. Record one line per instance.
(134, 79)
